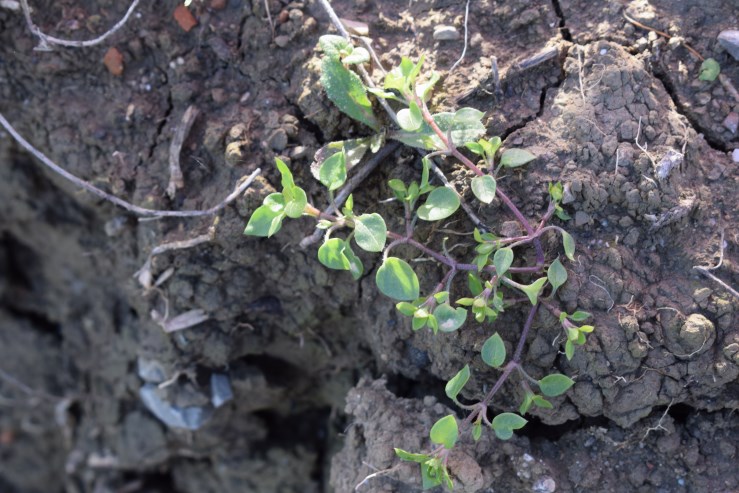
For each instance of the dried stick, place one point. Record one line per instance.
(176, 179)
(46, 40)
(144, 274)
(706, 270)
(141, 211)
(464, 50)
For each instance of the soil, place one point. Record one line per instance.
(326, 376)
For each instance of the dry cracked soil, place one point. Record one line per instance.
(300, 379)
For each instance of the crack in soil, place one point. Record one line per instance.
(566, 35)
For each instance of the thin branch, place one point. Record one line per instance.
(176, 179)
(464, 50)
(46, 40)
(141, 211)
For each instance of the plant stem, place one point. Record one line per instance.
(428, 117)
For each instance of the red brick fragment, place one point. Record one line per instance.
(184, 18)
(113, 61)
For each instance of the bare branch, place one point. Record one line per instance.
(45, 40)
(176, 179)
(242, 185)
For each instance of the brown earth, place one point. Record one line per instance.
(327, 377)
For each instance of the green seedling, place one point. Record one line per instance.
(498, 276)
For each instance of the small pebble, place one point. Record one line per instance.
(732, 122)
(446, 33)
(277, 140)
(282, 41)
(729, 40)
(735, 155)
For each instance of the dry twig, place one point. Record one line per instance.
(242, 185)
(45, 41)
(176, 179)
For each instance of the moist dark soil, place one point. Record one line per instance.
(326, 376)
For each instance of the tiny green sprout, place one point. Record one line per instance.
(709, 70)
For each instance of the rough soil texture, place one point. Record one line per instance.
(327, 378)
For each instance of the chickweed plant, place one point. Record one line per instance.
(496, 280)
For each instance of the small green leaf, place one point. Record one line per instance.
(465, 301)
(423, 90)
(358, 55)
(411, 457)
(484, 188)
(267, 219)
(513, 158)
(347, 91)
(370, 232)
(331, 254)
(356, 268)
(419, 323)
(407, 309)
(493, 351)
(505, 423)
(533, 289)
(569, 244)
(397, 186)
(457, 383)
(441, 203)
(569, 349)
(502, 261)
(333, 171)
(296, 205)
(431, 475)
(539, 401)
(285, 173)
(476, 431)
(556, 384)
(396, 279)
(425, 173)
(579, 316)
(586, 328)
(442, 296)
(410, 119)
(528, 400)
(709, 70)
(462, 126)
(445, 431)
(475, 148)
(474, 284)
(450, 319)
(557, 275)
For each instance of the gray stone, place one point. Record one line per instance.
(729, 40)
(446, 33)
(277, 140)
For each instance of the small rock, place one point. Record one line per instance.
(282, 41)
(233, 153)
(732, 122)
(703, 98)
(696, 333)
(729, 40)
(218, 4)
(220, 388)
(509, 229)
(446, 33)
(581, 218)
(735, 155)
(113, 61)
(277, 140)
(184, 18)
